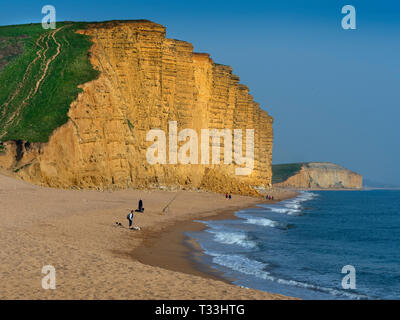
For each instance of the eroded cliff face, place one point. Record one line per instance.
(146, 81)
(323, 175)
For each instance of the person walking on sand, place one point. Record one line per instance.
(130, 219)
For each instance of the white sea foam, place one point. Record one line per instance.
(331, 291)
(253, 219)
(233, 238)
(285, 210)
(292, 206)
(244, 265)
(250, 267)
(263, 222)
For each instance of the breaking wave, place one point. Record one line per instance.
(260, 221)
(233, 238)
(247, 266)
(292, 206)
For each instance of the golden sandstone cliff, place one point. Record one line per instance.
(322, 175)
(146, 81)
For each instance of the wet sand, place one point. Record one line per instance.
(75, 232)
(173, 250)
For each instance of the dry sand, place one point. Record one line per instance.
(75, 232)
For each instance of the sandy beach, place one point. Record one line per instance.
(75, 232)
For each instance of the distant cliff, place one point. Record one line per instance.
(315, 175)
(146, 80)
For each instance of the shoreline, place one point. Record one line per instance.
(173, 250)
(76, 232)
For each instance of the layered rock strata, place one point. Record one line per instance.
(146, 81)
(323, 175)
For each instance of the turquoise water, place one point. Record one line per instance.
(298, 247)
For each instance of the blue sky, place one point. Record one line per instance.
(334, 93)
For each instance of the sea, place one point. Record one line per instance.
(319, 245)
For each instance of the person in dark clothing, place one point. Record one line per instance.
(130, 219)
(140, 206)
(230, 196)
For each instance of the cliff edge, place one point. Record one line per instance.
(315, 175)
(145, 81)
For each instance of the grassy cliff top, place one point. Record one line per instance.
(40, 71)
(281, 172)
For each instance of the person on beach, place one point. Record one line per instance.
(226, 195)
(130, 219)
(230, 196)
(140, 206)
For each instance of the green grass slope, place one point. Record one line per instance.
(39, 78)
(281, 172)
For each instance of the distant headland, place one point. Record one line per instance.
(315, 175)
